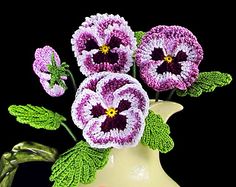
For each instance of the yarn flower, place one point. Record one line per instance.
(51, 72)
(104, 43)
(168, 58)
(111, 109)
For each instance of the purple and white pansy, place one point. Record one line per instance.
(168, 58)
(111, 109)
(104, 42)
(51, 72)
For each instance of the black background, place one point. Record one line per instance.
(203, 131)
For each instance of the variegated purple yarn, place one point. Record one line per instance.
(43, 58)
(168, 58)
(104, 42)
(111, 109)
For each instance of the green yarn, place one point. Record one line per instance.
(37, 117)
(78, 165)
(23, 152)
(206, 82)
(138, 35)
(57, 72)
(156, 133)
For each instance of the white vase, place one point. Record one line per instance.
(138, 166)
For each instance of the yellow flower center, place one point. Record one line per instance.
(111, 112)
(168, 59)
(104, 49)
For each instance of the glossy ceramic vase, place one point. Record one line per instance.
(138, 166)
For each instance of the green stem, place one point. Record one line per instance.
(72, 79)
(134, 69)
(171, 94)
(157, 96)
(69, 131)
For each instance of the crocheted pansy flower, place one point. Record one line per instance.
(111, 109)
(51, 72)
(168, 57)
(104, 43)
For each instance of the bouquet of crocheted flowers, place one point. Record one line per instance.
(110, 107)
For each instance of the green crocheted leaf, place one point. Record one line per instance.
(37, 117)
(78, 165)
(138, 35)
(156, 133)
(206, 82)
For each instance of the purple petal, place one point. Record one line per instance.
(113, 81)
(43, 57)
(133, 93)
(168, 80)
(192, 49)
(188, 75)
(125, 60)
(171, 32)
(99, 30)
(129, 137)
(91, 82)
(84, 39)
(103, 20)
(181, 45)
(107, 21)
(82, 109)
(55, 91)
(122, 35)
(123, 105)
(118, 122)
(147, 51)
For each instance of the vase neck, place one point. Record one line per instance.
(165, 108)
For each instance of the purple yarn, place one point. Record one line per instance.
(43, 57)
(112, 111)
(102, 30)
(168, 58)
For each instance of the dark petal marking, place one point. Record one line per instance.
(123, 105)
(173, 67)
(181, 56)
(98, 57)
(157, 54)
(111, 58)
(91, 44)
(92, 85)
(97, 110)
(114, 42)
(117, 122)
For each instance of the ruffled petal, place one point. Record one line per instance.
(145, 51)
(84, 108)
(129, 137)
(168, 80)
(113, 81)
(43, 57)
(192, 49)
(188, 75)
(85, 39)
(101, 31)
(104, 20)
(91, 82)
(168, 57)
(120, 35)
(159, 82)
(135, 95)
(54, 91)
(171, 32)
